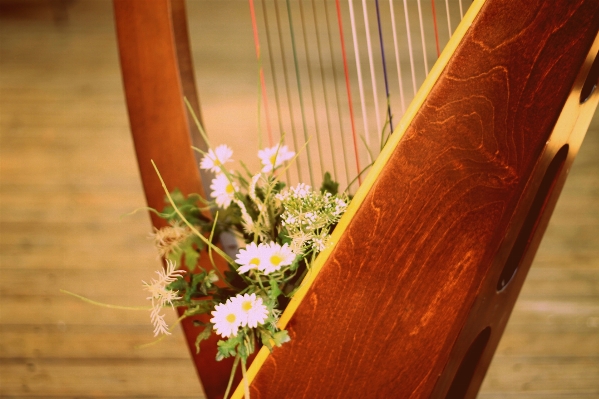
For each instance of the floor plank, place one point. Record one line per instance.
(68, 174)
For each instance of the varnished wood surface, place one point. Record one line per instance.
(155, 87)
(434, 231)
(68, 173)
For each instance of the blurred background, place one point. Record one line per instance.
(68, 175)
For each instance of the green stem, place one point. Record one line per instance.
(105, 305)
(179, 320)
(244, 166)
(233, 370)
(147, 208)
(367, 148)
(356, 178)
(292, 275)
(246, 387)
(295, 156)
(197, 122)
(192, 227)
(210, 253)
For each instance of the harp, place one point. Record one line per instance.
(447, 221)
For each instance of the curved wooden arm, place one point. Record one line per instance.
(157, 74)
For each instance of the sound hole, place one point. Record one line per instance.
(531, 221)
(463, 377)
(591, 82)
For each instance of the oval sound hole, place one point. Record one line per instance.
(591, 82)
(530, 223)
(463, 377)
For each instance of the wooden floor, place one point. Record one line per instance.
(68, 174)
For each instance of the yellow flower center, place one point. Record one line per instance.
(230, 189)
(231, 317)
(246, 306)
(275, 260)
(273, 159)
(255, 261)
(217, 162)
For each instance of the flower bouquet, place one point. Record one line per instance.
(279, 231)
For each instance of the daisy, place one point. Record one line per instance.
(252, 310)
(278, 257)
(227, 318)
(223, 190)
(252, 257)
(274, 157)
(216, 158)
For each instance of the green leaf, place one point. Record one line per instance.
(197, 279)
(243, 351)
(329, 185)
(192, 256)
(205, 334)
(284, 237)
(295, 263)
(266, 337)
(280, 337)
(279, 186)
(275, 291)
(187, 206)
(175, 255)
(199, 307)
(178, 285)
(227, 348)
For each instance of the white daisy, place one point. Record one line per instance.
(223, 190)
(252, 310)
(216, 158)
(278, 257)
(274, 157)
(252, 257)
(227, 318)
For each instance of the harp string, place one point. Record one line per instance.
(448, 18)
(435, 26)
(299, 91)
(372, 72)
(324, 91)
(422, 37)
(273, 70)
(349, 99)
(311, 85)
(337, 95)
(410, 50)
(397, 58)
(389, 114)
(315, 94)
(287, 89)
(261, 71)
(358, 69)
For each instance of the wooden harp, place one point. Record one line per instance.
(446, 224)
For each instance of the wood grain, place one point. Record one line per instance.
(157, 75)
(434, 223)
(68, 172)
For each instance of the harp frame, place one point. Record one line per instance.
(568, 127)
